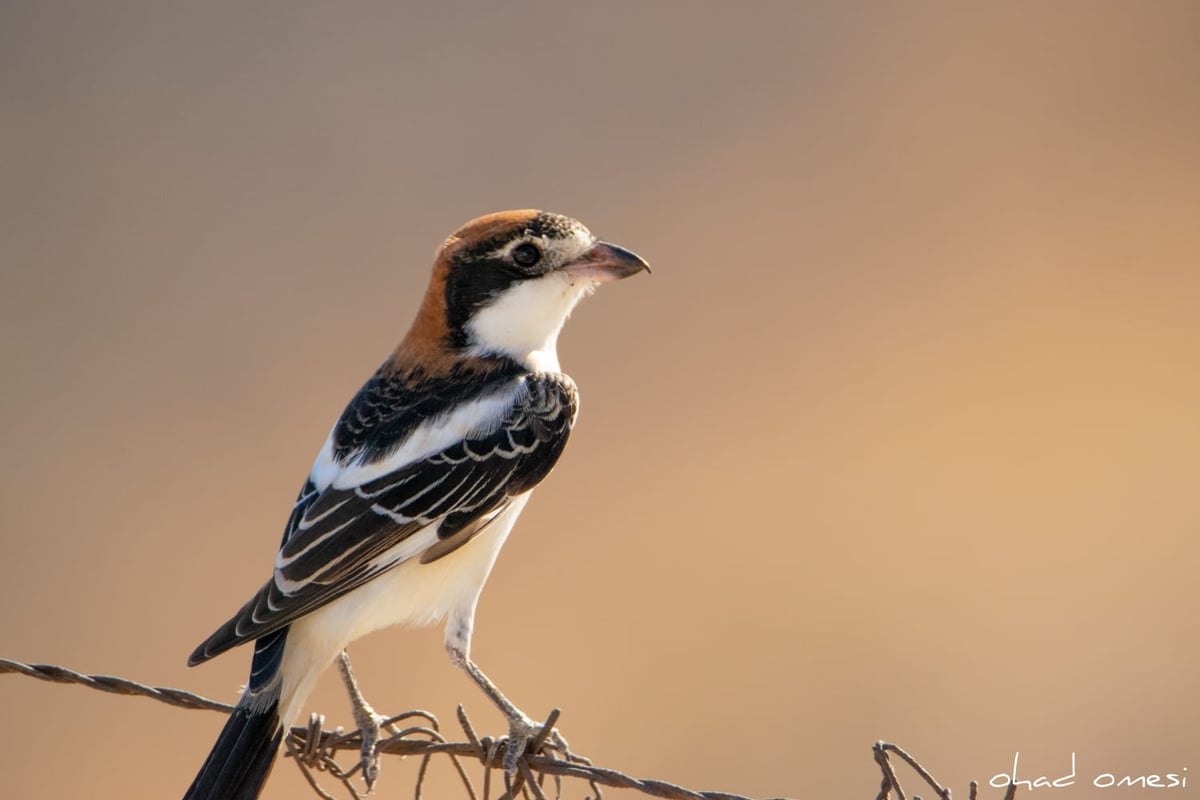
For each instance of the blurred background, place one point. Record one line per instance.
(900, 440)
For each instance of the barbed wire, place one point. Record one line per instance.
(312, 748)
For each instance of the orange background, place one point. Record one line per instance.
(900, 440)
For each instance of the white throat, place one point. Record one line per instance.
(524, 321)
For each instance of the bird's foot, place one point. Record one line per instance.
(368, 723)
(521, 732)
(524, 735)
(527, 736)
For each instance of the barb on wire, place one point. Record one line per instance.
(313, 748)
(891, 783)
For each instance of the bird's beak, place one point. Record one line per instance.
(605, 262)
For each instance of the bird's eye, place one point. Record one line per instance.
(526, 254)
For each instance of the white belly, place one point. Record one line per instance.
(409, 594)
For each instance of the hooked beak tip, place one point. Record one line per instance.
(610, 262)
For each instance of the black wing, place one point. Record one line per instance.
(339, 539)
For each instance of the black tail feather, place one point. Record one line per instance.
(241, 760)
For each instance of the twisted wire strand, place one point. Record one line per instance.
(113, 684)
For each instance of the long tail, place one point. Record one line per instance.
(242, 758)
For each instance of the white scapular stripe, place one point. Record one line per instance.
(479, 417)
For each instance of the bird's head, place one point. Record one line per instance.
(505, 283)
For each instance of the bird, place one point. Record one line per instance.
(419, 482)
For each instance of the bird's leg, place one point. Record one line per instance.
(365, 718)
(521, 728)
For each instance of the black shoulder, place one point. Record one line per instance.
(541, 422)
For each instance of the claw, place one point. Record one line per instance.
(369, 729)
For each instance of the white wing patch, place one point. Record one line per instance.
(474, 419)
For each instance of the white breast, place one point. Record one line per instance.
(410, 594)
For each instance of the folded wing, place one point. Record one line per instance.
(342, 537)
